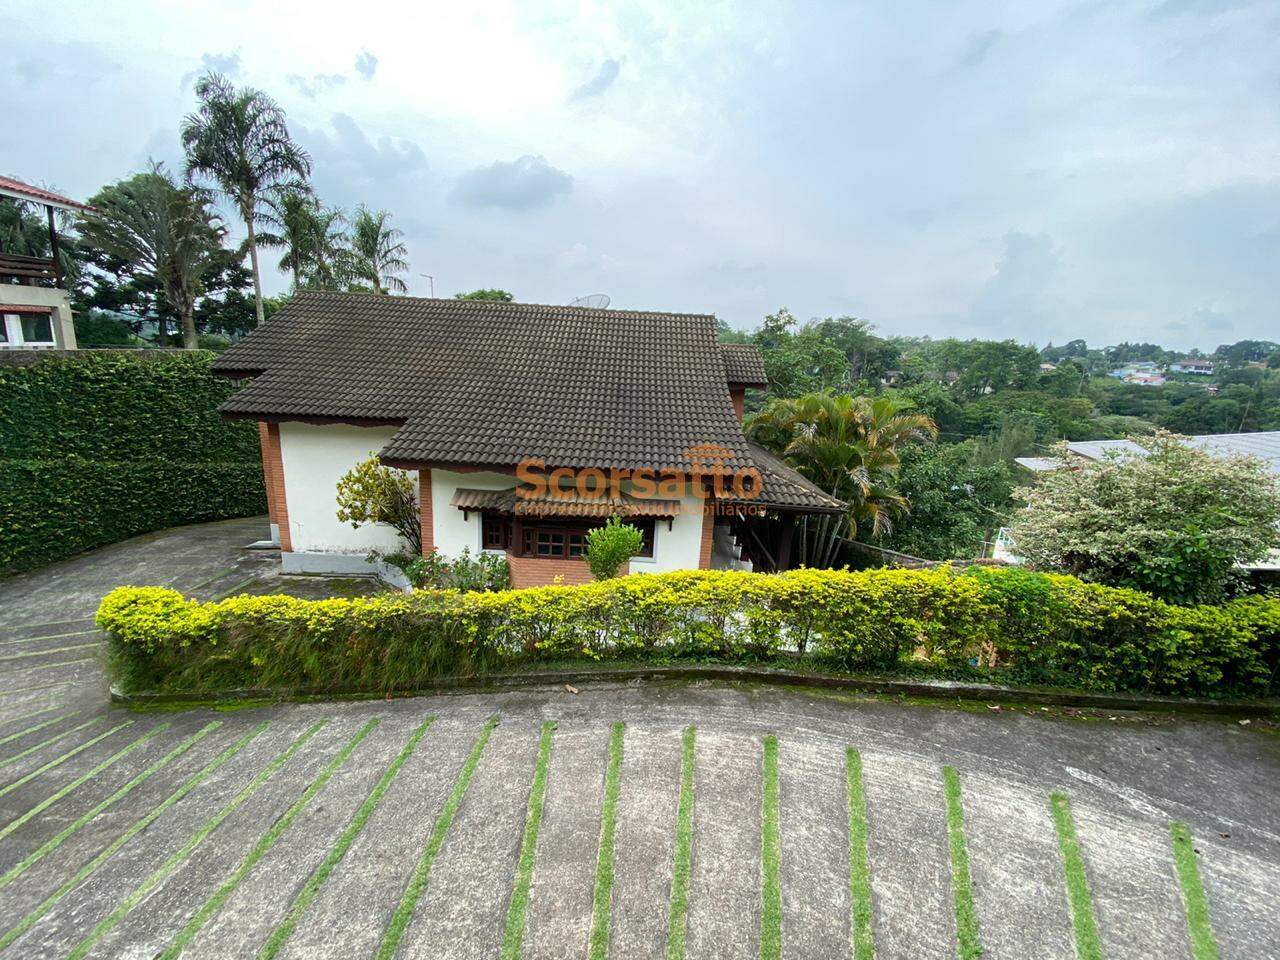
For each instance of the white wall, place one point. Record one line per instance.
(452, 531)
(314, 458)
(674, 549)
(64, 330)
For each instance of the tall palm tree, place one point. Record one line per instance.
(850, 447)
(164, 228)
(312, 236)
(239, 140)
(378, 251)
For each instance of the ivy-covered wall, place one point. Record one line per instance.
(99, 446)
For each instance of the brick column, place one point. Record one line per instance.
(424, 512)
(273, 473)
(708, 533)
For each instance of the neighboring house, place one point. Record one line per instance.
(1144, 373)
(474, 396)
(1202, 368)
(34, 305)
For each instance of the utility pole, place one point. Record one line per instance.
(431, 280)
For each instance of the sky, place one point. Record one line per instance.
(1029, 170)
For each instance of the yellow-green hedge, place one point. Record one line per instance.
(1029, 627)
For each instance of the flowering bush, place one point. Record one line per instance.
(1011, 623)
(372, 493)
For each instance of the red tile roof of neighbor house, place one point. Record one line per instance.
(486, 384)
(24, 191)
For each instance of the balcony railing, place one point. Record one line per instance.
(33, 271)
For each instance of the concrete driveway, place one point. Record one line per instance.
(622, 821)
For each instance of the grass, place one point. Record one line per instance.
(1203, 944)
(35, 727)
(143, 890)
(52, 843)
(513, 937)
(770, 858)
(602, 898)
(678, 912)
(134, 829)
(863, 942)
(265, 843)
(1085, 926)
(417, 884)
(970, 946)
(58, 761)
(81, 780)
(44, 743)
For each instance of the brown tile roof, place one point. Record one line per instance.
(508, 502)
(10, 187)
(484, 383)
(787, 489)
(743, 365)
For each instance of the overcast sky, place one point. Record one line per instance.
(1040, 171)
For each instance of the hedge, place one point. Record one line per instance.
(98, 446)
(1007, 623)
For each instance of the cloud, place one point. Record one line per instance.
(523, 184)
(977, 48)
(366, 64)
(227, 64)
(1015, 297)
(598, 84)
(318, 84)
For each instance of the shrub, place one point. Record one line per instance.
(484, 571)
(1000, 624)
(372, 493)
(1174, 523)
(611, 546)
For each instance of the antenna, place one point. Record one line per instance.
(595, 301)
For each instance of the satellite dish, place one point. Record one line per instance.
(595, 301)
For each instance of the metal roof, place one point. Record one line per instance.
(1264, 445)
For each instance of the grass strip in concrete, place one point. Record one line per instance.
(863, 941)
(770, 857)
(417, 884)
(217, 576)
(42, 653)
(682, 860)
(1203, 944)
(58, 761)
(239, 586)
(51, 636)
(970, 946)
(267, 841)
(602, 897)
(34, 728)
(143, 890)
(49, 845)
(62, 663)
(43, 686)
(81, 780)
(134, 829)
(311, 889)
(44, 743)
(1083, 923)
(513, 936)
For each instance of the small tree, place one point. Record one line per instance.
(372, 493)
(610, 546)
(495, 294)
(1173, 523)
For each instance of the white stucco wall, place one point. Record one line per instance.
(64, 329)
(314, 458)
(674, 549)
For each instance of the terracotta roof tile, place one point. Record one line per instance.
(743, 365)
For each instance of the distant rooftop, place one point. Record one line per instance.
(1264, 445)
(11, 187)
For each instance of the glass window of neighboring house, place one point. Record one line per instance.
(37, 328)
(4, 327)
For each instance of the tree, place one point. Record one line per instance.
(25, 232)
(372, 493)
(166, 231)
(610, 546)
(851, 448)
(240, 141)
(1174, 523)
(312, 236)
(377, 250)
(499, 296)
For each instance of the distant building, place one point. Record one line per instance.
(1203, 368)
(1048, 367)
(891, 377)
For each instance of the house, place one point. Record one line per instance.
(1202, 368)
(34, 304)
(524, 425)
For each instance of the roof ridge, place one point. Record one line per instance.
(502, 304)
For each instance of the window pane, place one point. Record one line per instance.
(4, 327)
(37, 327)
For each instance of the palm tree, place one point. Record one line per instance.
(378, 252)
(848, 446)
(313, 237)
(167, 230)
(239, 140)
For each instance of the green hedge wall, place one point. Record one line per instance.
(99, 446)
(1000, 624)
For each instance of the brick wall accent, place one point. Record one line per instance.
(424, 512)
(273, 474)
(267, 470)
(739, 398)
(542, 572)
(708, 533)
